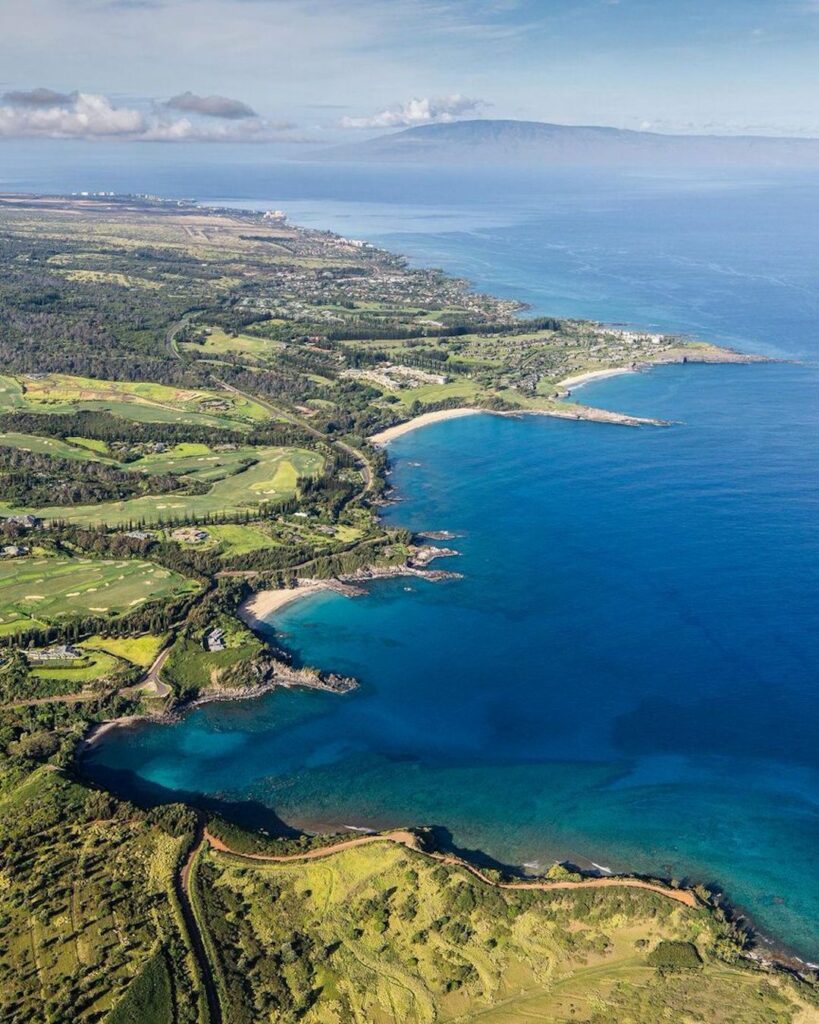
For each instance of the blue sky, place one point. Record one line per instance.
(324, 69)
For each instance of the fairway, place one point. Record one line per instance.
(219, 343)
(52, 446)
(36, 591)
(146, 402)
(272, 478)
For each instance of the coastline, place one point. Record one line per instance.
(262, 606)
(383, 437)
(579, 379)
(256, 610)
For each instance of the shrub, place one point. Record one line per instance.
(673, 955)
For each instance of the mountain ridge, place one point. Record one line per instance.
(511, 142)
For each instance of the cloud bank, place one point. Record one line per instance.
(45, 113)
(429, 110)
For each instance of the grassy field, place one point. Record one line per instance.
(239, 539)
(54, 446)
(86, 905)
(137, 650)
(273, 478)
(219, 343)
(35, 591)
(191, 668)
(386, 936)
(147, 402)
(73, 676)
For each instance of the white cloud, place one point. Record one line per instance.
(429, 110)
(79, 115)
(40, 112)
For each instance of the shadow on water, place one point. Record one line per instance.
(250, 814)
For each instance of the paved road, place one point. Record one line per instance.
(182, 882)
(151, 678)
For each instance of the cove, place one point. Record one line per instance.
(625, 675)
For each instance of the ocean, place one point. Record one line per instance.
(626, 674)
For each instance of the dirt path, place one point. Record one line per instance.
(406, 838)
(64, 698)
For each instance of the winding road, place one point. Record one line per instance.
(406, 838)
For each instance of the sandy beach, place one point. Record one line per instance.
(258, 608)
(585, 378)
(385, 436)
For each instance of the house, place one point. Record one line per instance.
(27, 521)
(13, 551)
(190, 535)
(62, 652)
(139, 535)
(215, 640)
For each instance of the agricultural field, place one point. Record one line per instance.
(145, 402)
(272, 478)
(384, 935)
(43, 591)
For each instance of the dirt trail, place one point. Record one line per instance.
(406, 838)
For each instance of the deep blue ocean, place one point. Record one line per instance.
(627, 673)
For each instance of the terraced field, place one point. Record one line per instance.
(145, 402)
(41, 591)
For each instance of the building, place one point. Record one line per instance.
(27, 521)
(62, 652)
(190, 535)
(215, 640)
(13, 551)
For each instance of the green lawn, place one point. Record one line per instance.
(138, 650)
(273, 478)
(74, 675)
(219, 343)
(146, 402)
(52, 446)
(44, 590)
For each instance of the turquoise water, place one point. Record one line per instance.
(626, 674)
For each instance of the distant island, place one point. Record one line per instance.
(194, 405)
(535, 144)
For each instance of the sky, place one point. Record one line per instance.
(308, 71)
